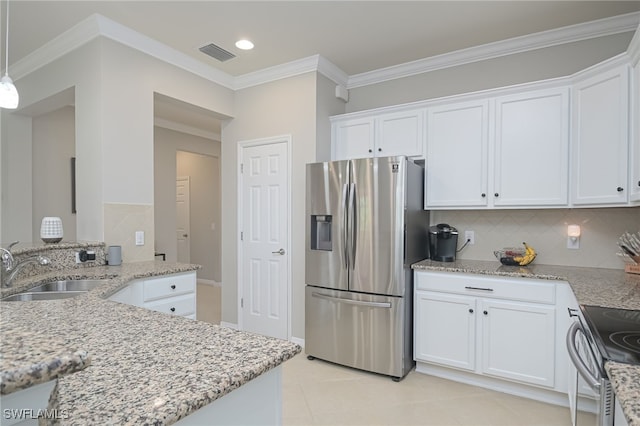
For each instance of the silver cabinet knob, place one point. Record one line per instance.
(280, 252)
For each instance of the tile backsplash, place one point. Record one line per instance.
(546, 231)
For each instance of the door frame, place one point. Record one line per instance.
(286, 139)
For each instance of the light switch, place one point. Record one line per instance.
(139, 238)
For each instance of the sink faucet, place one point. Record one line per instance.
(11, 267)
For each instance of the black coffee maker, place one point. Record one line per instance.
(443, 242)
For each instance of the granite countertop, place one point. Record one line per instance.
(144, 367)
(592, 286)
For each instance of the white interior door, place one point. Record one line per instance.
(264, 246)
(182, 219)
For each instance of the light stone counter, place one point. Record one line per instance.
(591, 286)
(146, 367)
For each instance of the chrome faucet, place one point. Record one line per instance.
(11, 267)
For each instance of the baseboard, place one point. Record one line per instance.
(229, 325)
(209, 282)
(297, 341)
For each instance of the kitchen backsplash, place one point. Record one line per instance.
(546, 231)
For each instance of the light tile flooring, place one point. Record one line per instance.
(321, 393)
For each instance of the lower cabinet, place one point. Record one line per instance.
(172, 294)
(488, 326)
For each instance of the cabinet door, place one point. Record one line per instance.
(352, 138)
(634, 183)
(531, 156)
(400, 133)
(517, 341)
(600, 139)
(444, 327)
(456, 171)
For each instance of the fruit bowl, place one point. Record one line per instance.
(515, 256)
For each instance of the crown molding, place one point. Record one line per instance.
(569, 34)
(183, 128)
(277, 72)
(97, 25)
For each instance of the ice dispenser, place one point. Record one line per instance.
(321, 232)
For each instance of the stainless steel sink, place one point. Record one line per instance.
(54, 290)
(68, 285)
(47, 295)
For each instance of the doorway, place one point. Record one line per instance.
(264, 270)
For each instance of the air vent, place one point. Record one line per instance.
(217, 52)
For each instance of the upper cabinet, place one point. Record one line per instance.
(457, 155)
(565, 142)
(600, 138)
(508, 151)
(531, 149)
(378, 134)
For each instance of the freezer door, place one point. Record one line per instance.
(377, 201)
(368, 332)
(326, 225)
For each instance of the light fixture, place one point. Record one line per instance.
(9, 97)
(573, 234)
(244, 44)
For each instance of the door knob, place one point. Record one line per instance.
(280, 252)
(185, 235)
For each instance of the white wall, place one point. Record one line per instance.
(114, 87)
(282, 107)
(53, 146)
(206, 243)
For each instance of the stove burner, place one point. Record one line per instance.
(627, 340)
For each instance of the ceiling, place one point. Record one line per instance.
(356, 36)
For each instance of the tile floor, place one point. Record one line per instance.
(321, 393)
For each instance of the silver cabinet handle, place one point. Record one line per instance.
(280, 252)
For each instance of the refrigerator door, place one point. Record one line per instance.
(359, 330)
(326, 225)
(377, 207)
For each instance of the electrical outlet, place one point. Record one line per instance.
(470, 236)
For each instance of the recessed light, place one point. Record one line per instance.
(244, 44)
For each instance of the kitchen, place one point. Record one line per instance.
(300, 99)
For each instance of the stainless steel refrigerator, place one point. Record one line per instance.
(365, 227)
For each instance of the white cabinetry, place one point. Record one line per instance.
(457, 155)
(172, 294)
(600, 109)
(531, 149)
(508, 151)
(386, 134)
(495, 327)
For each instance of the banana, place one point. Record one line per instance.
(528, 257)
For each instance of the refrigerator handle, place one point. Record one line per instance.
(352, 302)
(345, 226)
(353, 225)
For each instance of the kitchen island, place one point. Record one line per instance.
(591, 286)
(146, 367)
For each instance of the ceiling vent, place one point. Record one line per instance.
(217, 52)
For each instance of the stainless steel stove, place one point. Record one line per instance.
(616, 332)
(603, 334)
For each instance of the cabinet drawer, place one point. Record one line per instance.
(524, 289)
(181, 305)
(172, 285)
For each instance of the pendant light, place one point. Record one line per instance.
(9, 97)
